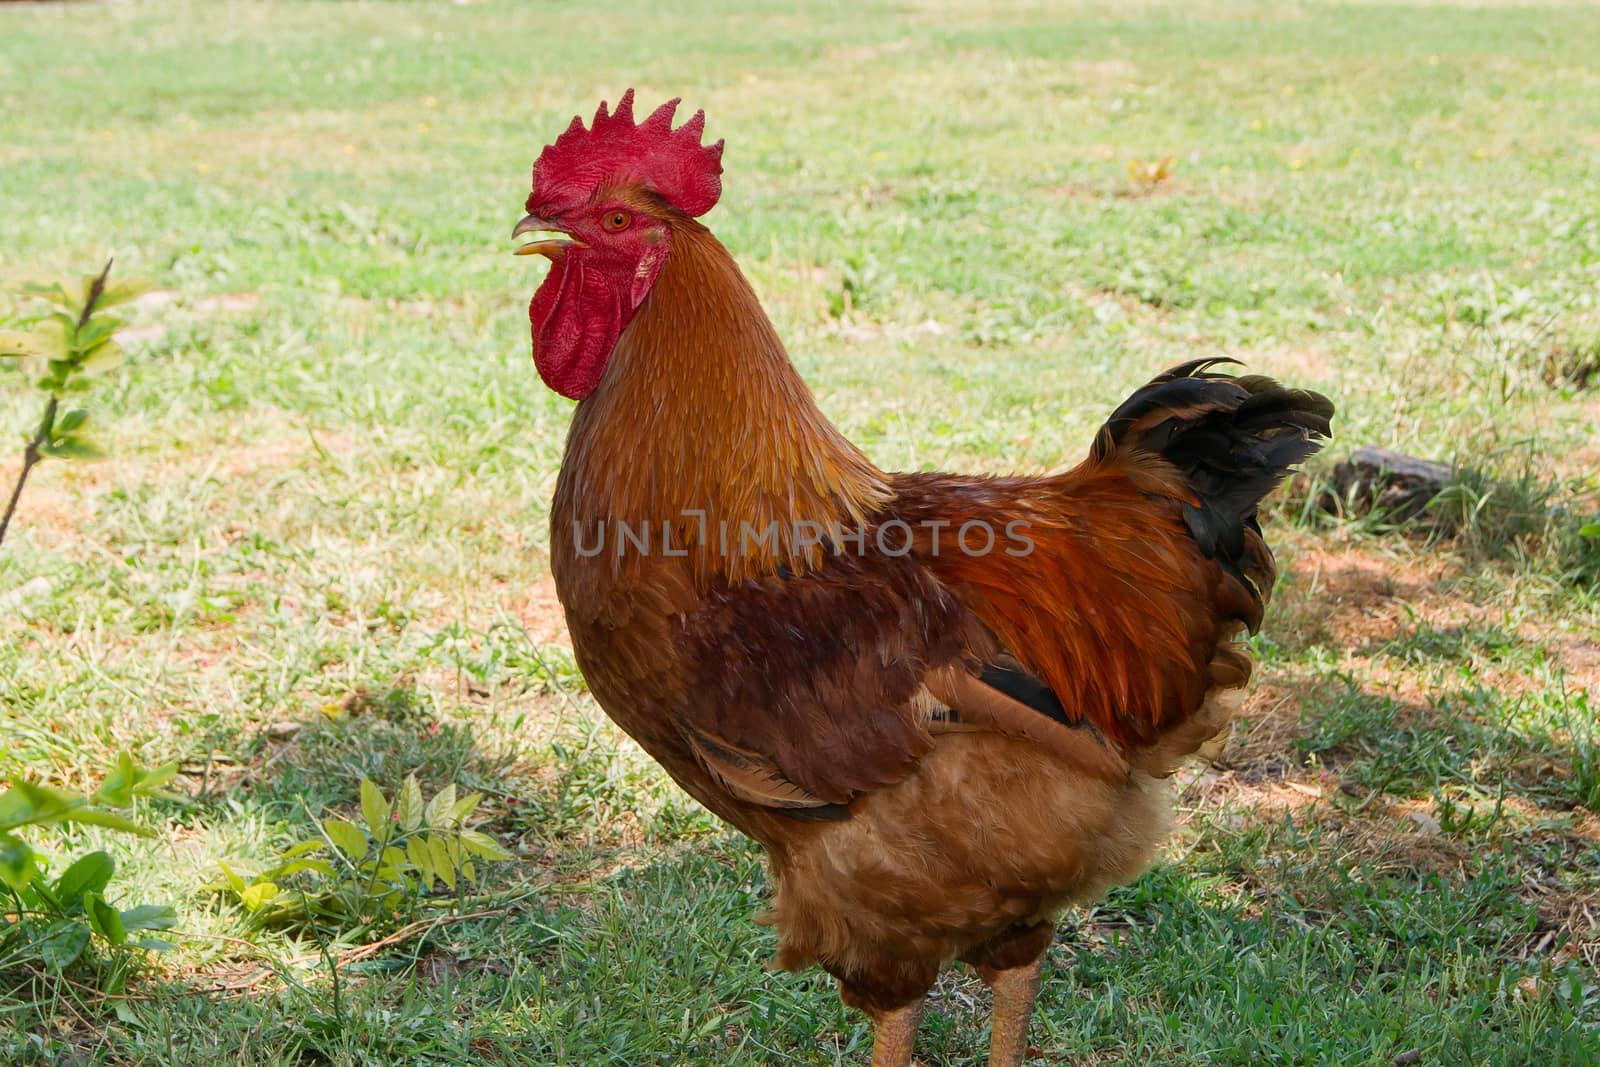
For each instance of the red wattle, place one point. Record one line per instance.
(576, 319)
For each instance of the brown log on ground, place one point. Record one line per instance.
(1396, 484)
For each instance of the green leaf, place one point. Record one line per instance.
(72, 448)
(464, 807)
(104, 919)
(422, 860)
(149, 917)
(443, 861)
(71, 421)
(151, 780)
(89, 874)
(18, 343)
(410, 803)
(62, 291)
(1591, 530)
(28, 803)
(301, 848)
(438, 812)
(123, 290)
(117, 789)
(392, 876)
(392, 857)
(101, 358)
(320, 866)
(17, 866)
(348, 836)
(49, 341)
(481, 844)
(375, 810)
(40, 892)
(15, 809)
(234, 881)
(259, 895)
(94, 332)
(63, 943)
(100, 817)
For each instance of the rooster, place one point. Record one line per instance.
(946, 705)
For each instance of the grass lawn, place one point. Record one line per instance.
(317, 550)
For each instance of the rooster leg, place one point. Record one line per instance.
(1011, 964)
(1014, 993)
(895, 1035)
(891, 991)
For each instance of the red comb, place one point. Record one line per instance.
(672, 162)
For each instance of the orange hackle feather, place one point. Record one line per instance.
(715, 424)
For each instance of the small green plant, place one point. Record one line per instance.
(862, 281)
(61, 353)
(1583, 554)
(1521, 514)
(1460, 816)
(54, 920)
(362, 876)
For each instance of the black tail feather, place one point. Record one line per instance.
(1234, 439)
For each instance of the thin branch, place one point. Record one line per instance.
(30, 458)
(97, 288)
(32, 454)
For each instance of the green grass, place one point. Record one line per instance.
(317, 551)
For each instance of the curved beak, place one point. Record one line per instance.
(550, 248)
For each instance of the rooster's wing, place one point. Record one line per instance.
(1102, 641)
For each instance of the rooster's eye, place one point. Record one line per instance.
(617, 220)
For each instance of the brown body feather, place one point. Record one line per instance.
(939, 749)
